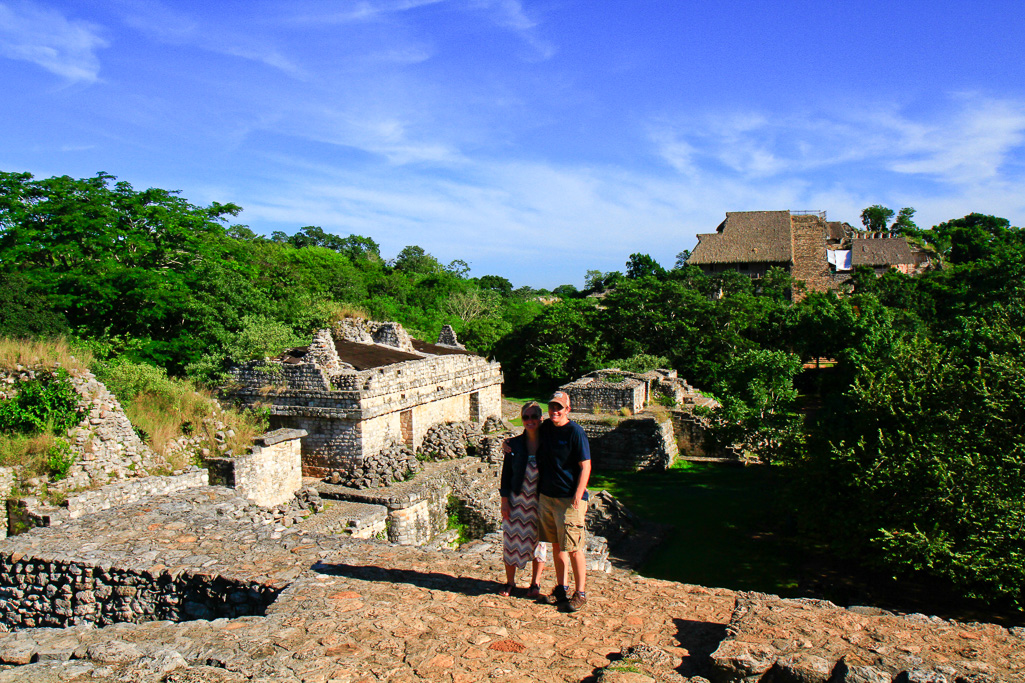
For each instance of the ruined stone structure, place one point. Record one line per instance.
(366, 386)
(103, 446)
(818, 252)
(643, 442)
(639, 420)
(610, 390)
(268, 475)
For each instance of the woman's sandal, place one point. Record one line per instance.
(534, 591)
(507, 590)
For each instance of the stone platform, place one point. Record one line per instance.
(330, 608)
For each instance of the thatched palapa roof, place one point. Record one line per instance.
(880, 251)
(747, 237)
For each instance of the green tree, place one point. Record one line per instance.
(414, 259)
(876, 217)
(976, 237)
(642, 265)
(757, 395)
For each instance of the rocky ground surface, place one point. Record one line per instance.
(353, 610)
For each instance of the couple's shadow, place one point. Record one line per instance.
(463, 585)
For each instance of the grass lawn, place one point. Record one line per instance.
(720, 516)
(517, 422)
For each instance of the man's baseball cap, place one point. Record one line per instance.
(561, 398)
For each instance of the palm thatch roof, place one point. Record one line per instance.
(880, 251)
(747, 237)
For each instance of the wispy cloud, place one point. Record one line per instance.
(353, 12)
(510, 15)
(45, 37)
(171, 26)
(971, 146)
(965, 144)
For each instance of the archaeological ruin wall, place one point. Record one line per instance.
(355, 399)
(632, 444)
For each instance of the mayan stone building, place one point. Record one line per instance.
(818, 252)
(366, 386)
(610, 390)
(614, 407)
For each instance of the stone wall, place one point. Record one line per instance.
(358, 520)
(639, 443)
(6, 485)
(590, 393)
(272, 473)
(809, 253)
(27, 513)
(124, 492)
(418, 509)
(690, 433)
(358, 414)
(57, 591)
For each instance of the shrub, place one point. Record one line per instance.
(59, 459)
(665, 400)
(641, 362)
(46, 404)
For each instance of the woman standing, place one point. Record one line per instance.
(519, 505)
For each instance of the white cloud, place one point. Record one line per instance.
(968, 148)
(964, 145)
(510, 15)
(169, 25)
(48, 39)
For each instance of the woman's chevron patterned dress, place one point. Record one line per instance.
(519, 532)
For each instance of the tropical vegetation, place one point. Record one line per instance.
(907, 453)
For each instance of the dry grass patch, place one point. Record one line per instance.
(36, 455)
(337, 312)
(43, 354)
(163, 408)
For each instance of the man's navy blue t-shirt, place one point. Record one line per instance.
(559, 457)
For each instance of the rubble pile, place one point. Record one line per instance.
(394, 464)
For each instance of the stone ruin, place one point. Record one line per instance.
(612, 390)
(365, 388)
(641, 420)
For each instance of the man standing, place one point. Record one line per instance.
(564, 467)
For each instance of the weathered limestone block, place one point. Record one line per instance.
(322, 352)
(272, 473)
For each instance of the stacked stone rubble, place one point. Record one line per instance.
(374, 332)
(447, 337)
(322, 353)
(450, 441)
(394, 464)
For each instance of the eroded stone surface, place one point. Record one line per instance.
(351, 610)
(814, 640)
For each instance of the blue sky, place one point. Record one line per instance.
(533, 139)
